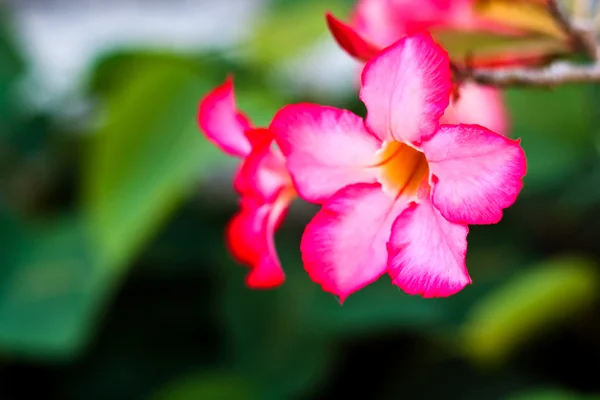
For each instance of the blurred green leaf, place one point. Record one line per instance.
(143, 161)
(582, 192)
(114, 71)
(551, 394)
(290, 28)
(532, 301)
(555, 126)
(50, 281)
(287, 337)
(146, 157)
(270, 342)
(212, 385)
(254, 96)
(562, 113)
(11, 67)
(12, 64)
(378, 307)
(583, 189)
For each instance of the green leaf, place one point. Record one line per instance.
(286, 337)
(50, 283)
(145, 158)
(269, 339)
(11, 67)
(209, 385)
(551, 394)
(114, 70)
(531, 302)
(555, 126)
(291, 28)
(378, 307)
(142, 162)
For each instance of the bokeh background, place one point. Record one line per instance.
(115, 282)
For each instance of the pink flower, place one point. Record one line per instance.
(397, 189)
(379, 23)
(478, 105)
(262, 181)
(384, 21)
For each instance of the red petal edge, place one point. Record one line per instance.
(350, 40)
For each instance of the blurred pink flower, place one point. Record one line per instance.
(264, 185)
(385, 21)
(397, 189)
(379, 23)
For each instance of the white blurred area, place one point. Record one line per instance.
(61, 39)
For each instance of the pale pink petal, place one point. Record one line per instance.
(388, 20)
(222, 123)
(406, 89)
(427, 252)
(263, 173)
(384, 21)
(475, 173)
(478, 105)
(349, 40)
(326, 149)
(377, 21)
(343, 247)
(250, 240)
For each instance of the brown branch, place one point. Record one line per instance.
(581, 39)
(552, 75)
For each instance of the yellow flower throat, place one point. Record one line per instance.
(402, 169)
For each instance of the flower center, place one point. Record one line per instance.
(402, 169)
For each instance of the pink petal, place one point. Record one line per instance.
(222, 123)
(326, 149)
(406, 89)
(475, 173)
(267, 274)
(242, 240)
(350, 40)
(385, 21)
(478, 105)
(427, 252)
(263, 172)
(378, 21)
(343, 247)
(250, 240)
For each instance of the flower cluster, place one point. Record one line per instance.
(377, 24)
(262, 180)
(397, 189)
